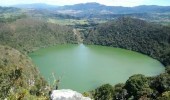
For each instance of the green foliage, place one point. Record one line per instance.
(19, 79)
(23, 94)
(30, 34)
(119, 92)
(133, 34)
(161, 83)
(168, 69)
(105, 92)
(18, 76)
(165, 96)
(140, 36)
(137, 86)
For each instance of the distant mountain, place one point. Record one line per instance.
(95, 9)
(98, 8)
(115, 9)
(91, 10)
(85, 6)
(35, 6)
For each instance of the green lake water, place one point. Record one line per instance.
(85, 67)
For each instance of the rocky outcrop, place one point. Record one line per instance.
(67, 94)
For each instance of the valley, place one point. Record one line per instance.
(85, 45)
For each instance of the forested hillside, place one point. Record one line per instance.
(28, 34)
(133, 34)
(19, 78)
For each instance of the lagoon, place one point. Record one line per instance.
(85, 67)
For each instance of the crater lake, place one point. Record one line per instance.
(85, 67)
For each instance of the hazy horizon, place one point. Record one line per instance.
(125, 3)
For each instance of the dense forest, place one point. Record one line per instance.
(133, 34)
(19, 78)
(28, 34)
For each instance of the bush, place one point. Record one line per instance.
(119, 92)
(164, 96)
(168, 69)
(138, 86)
(105, 92)
(161, 83)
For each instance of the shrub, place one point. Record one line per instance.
(105, 92)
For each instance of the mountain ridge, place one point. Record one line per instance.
(98, 7)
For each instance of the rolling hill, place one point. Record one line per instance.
(28, 34)
(133, 34)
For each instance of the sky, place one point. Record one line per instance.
(127, 3)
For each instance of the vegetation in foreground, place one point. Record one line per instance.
(137, 87)
(19, 78)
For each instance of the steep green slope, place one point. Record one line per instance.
(133, 34)
(19, 78)
(29, 34)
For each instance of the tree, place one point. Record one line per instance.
(138, 86)
(162, 83)
(168, 69)
(119, 92)
(164, 96)
(105, 92)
